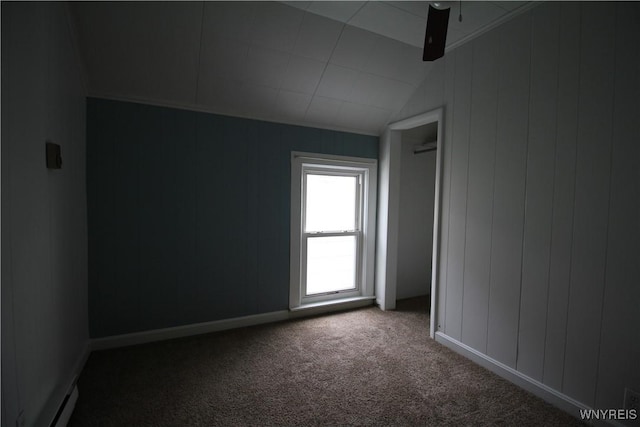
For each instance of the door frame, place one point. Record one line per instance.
(389, 167)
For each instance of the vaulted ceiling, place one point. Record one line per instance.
(342, 65)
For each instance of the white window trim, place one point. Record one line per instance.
(366, 271)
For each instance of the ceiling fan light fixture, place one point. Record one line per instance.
(436, 33)
(441, 4)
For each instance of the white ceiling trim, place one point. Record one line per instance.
(504, 18)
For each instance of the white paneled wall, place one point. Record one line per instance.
(45, 333)
(619, 327)
(591, 210)
(482, 150)
(540, 217)
(563, 190)
(458, 141)
(509, 190)
(540, 185)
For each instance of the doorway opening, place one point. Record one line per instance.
(391, 207)
(415, 221)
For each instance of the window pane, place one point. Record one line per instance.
(331, 203)
(331, 264)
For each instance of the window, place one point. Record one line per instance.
(332, 229)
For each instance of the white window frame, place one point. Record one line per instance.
(301, 165)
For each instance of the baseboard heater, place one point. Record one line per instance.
(66, 409)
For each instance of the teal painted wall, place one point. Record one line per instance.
(188, 213)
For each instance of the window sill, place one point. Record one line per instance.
(331, 305)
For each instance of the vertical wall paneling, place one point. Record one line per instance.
(232, 155)
(184, 179)
(268, 135)
(458, 193)
(203, 202)
(591, 201)
(484, 98)
(563, 193)
(447, 127)
(539, 191)
(101, 201)
(10, 405)
(252, 225)
(619, 349)
(563, 295)
(157, 230)
(509, 190)
(125, 226)
(44, 264)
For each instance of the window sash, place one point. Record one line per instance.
(305, 296)
(316, 170)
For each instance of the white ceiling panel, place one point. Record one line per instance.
(366, 89)
(318, 37)
(221, 95)
(376, 118)
(276, 26)
(390, 59)
(418, 8)
(336, 82)
(323, 110)
(381, 92)
(222, 58)
(258, 101)
(352, 113)
(344, 65)
(292, 105)
(337, 10)
(229, 20)
(303, 75)
(393, 94)
(302, 5)
(411, 68)
(509, 5)
(381, 18)
(127, 53)
(265, 66)
(354, 47)
(369, 118)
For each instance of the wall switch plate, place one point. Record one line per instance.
(54, 156)
(632, 400)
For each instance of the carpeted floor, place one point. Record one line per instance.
(363, 367)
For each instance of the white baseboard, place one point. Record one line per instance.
(186, 330)
(221, 325)
(539, 389)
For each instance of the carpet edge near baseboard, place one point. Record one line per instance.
(543, 391)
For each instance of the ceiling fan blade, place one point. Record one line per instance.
(435, 36)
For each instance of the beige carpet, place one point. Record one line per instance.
(364, 367)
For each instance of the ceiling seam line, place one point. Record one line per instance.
(315, 91)
(304, 13)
